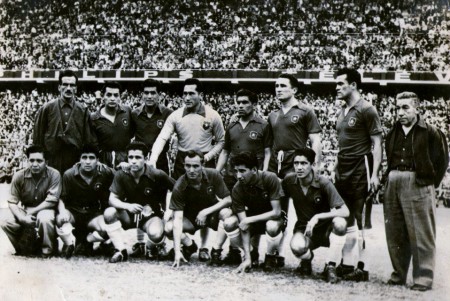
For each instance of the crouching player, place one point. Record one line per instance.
(199, 201)
(321, 214)
(256, 202)
(84, 196)
(137, 200)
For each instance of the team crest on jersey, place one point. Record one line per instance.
(97, 186)
(253, 135)
(160, 123)
(352, 121)
(295, 118)
(210, 190)
(206, 124)
(125, 122)
(317, 199)
(147, 191)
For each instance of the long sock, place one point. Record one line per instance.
(350, 252)
(116, 234)
(186, 240)
(273, 243)
(94, 236)
(235, 238)
(65, 233)
(221, 236)
(336, 245)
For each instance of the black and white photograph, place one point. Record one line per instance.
(224, 150)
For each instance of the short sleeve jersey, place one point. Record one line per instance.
(79, 196)
(31, 193)
(194, 130)
(321, 197)
(290, 131)
(253, 138)
(113, 136)
(355, 128)
(192, 201)
(151, 189)
(148, 129)
(255, 198)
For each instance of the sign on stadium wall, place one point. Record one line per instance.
(306, 77)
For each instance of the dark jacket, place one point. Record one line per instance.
(430, 152)
(50, 133)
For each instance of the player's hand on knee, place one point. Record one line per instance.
(243, 225)
(64, 216)
(201, 218)
(374, 183)
(178, 259)
(29, 220)
(310, 226)
(134, 208)
(244, 267)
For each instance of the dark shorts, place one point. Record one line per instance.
(138, 220)
(212, 221)
(321, 234)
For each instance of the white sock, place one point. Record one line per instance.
(336, 245)
(235, 238)
(95, 237)
(65, 233)
(116, 234)
(273, 243)
(350, 252)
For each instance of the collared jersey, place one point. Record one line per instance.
(195, 130)
(355, 128)
(79, 196)
(255, 137)
(113, 136)
(290, 131)
(321, 197)
(192, 201)
(31, 193)
(148, 129)
(151, 189)
(255, 198)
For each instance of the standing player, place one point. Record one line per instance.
(250, 133)
(137, 199)
(149, 119)
(63, 125)
(359, 158)
(34, 195)
(291, 127)
(196, 206)
(256, 202)
(196, 126)
(84, 197)
(112, 126)
(417, 157)
(321, 214)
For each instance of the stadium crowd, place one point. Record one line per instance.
(19, 108)
(264, 34)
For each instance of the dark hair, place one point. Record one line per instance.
(113, 85)
(194, 153)
(251, 96)
(35, 148)
(137, 145)
(306, 152)
(247, 159)
(292, 79)
(194, 81)
(90, 149)
(67, 73)
(353, 76)
(150, 83)
(409, 95)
